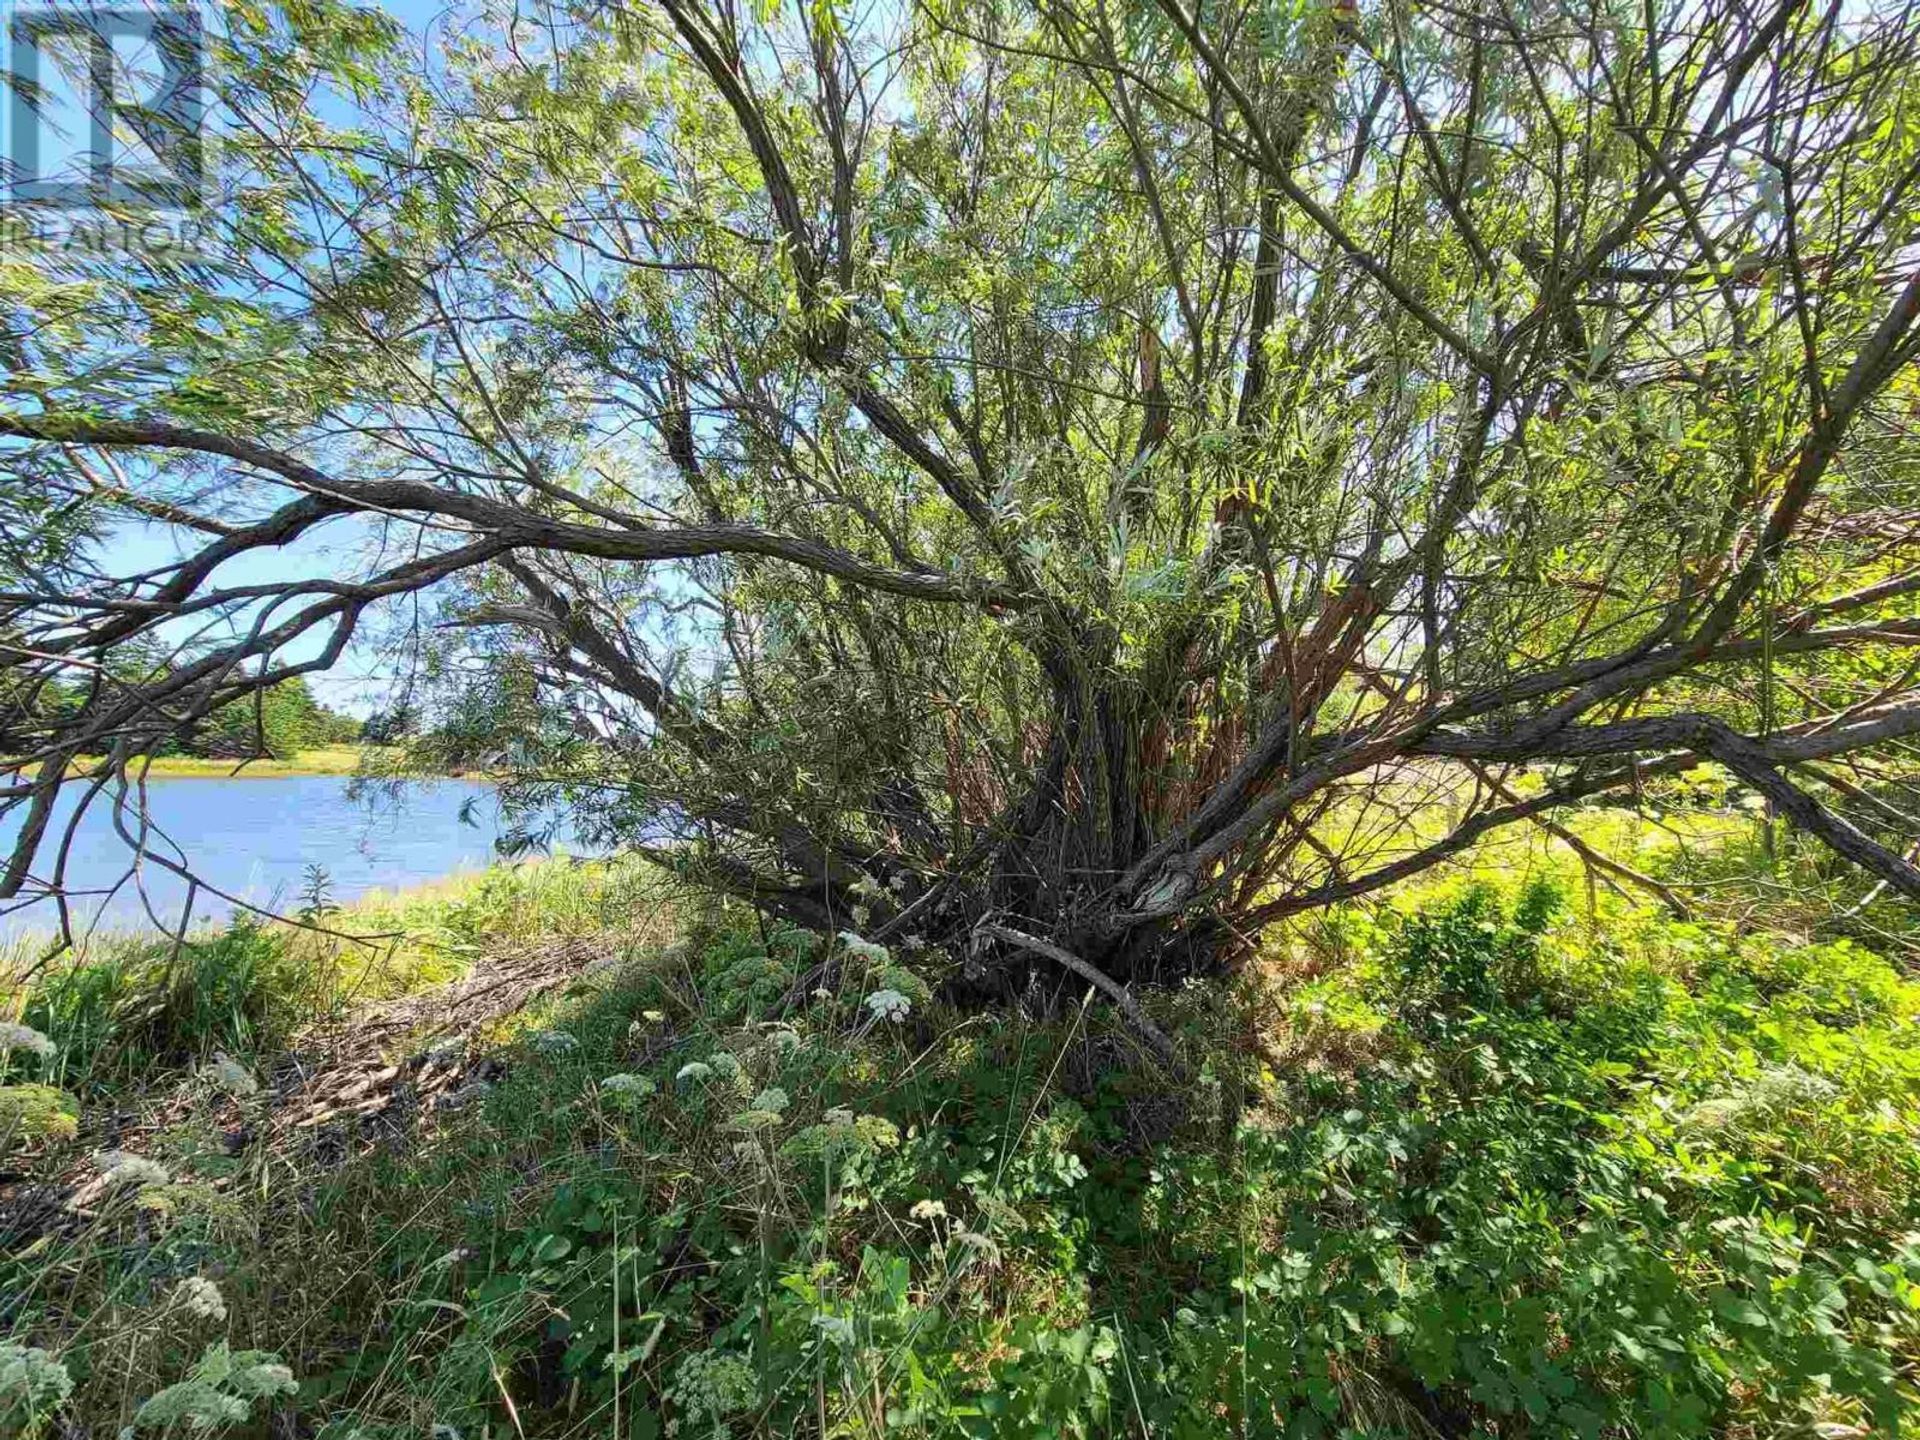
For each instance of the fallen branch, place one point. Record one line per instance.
(1093, 975)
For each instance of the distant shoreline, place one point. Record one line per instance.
(340, 760)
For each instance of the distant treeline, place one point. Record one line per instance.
(280, 721)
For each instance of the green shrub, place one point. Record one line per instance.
(146, 1005)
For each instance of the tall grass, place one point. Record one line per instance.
(122, 1006)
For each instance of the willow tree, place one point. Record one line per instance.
(1073, 481)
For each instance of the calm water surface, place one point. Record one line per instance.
(257, 838)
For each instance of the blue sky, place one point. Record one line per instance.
(356, 684)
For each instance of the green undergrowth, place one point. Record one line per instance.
(128, 1006)
(1487, 1160)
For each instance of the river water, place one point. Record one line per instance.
(264, 839)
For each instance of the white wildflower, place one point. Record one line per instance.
(119, 1168)
(31, 1381)
(928, 1210)
(264, 1376)
(889, 1005)
(783, 1040)
(25, 1037)
(862, 915)
(981, 1245)
(898, 882)
(693, 1073)
(628, 1089)
(711, 1385)
(200, 1297)
(864, 949)
(772, 1098)
(724, 1064)
(552, 1042)
(840, 1117)
(228, 1074)
(220, 1391)
(192, 1403)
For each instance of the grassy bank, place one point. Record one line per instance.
(1510, 1155)
(131, 1006)
(320, 760)
(317, 760)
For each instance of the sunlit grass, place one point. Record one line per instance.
(316, 760)
(258, 982)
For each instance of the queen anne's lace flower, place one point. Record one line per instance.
(864, 949)
(772, 1098)
(192, 1403)
(711, 1385)
(200, 1296)
(628, 1088)
(928, 1210)
(552, 1042)
(889, 1005)
(120, 1168)
(693, 1073)
(981, 1245)
(265, 1376)
(25, 1037)
(220, 1391)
